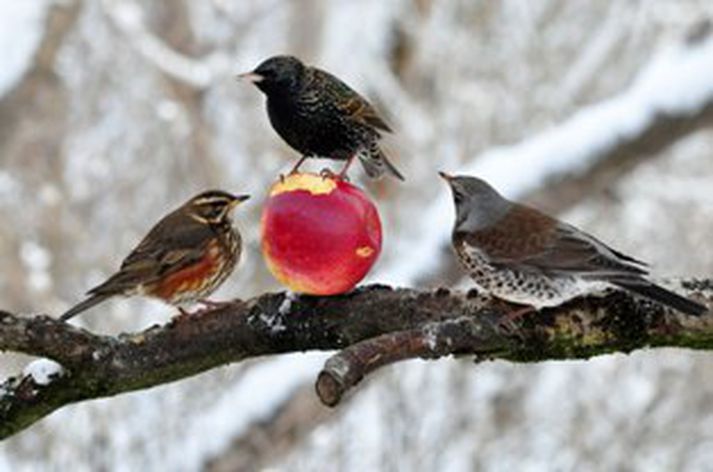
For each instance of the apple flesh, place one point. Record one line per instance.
(320, 235)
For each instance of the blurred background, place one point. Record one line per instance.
(113, 112)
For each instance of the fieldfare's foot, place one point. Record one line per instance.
(343, 175)
(511, 319)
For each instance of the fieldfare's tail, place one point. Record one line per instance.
(663, 296)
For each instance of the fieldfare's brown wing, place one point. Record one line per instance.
(529, 240)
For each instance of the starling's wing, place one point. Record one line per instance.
(527, 240)
(349, 101)
(176, 242)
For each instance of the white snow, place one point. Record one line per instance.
(37, 260)
(129, 18)
(43, 371)
(35, 256)
(275, 321)
(9, 186)
(255, 397)
(178, 427)
(675, 81)
(286, 304)
(21, 27)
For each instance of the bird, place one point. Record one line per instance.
(318, 115)
(184, 258)
(521, 255)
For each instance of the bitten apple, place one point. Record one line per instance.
(320, 235)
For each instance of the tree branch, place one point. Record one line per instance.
(347, 368)
(374, 326)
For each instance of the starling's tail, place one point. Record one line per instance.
(663, 296)
(376, 163)
(85, 305)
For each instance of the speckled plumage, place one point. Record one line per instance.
(521, 255)
(528, 288)
(184, 258)
(318, 115)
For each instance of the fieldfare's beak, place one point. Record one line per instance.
(252, 77)
(446, 177)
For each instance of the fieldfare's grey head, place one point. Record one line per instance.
(478, 205)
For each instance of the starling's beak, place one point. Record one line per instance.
(445, 176)
(252, 77)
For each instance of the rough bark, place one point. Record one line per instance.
(373, 326)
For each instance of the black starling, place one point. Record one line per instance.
(518, 254)
(320, 116)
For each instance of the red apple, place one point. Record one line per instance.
(320, 235)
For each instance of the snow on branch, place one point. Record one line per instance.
(372, 327)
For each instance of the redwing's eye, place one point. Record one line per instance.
(213, 211)
(458, 197)
(218, 210)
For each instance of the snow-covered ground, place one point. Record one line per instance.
(145, 111)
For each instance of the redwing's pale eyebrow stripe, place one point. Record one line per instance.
(211, 200)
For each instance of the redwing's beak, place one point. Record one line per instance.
(238, 199)
(252, 77)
